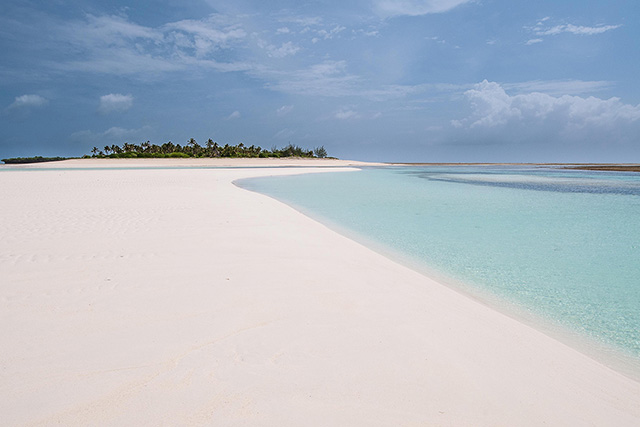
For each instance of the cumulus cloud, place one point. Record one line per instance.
(115, 102)
(391, 8)
(537, 115)
(28, 101)
(493, 106)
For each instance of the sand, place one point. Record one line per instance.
(173, 297)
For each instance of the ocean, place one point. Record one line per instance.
(556, 247)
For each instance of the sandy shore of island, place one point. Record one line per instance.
(173, 297)
(201, 162)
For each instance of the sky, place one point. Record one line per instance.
(374, 80)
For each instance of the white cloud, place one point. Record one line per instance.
(284, 110)
(391, 8)
(115, 102)
(331, 79)
(207, 35)
(435, 90)
(28, 101)
(109, 29)
(114, 45)
(233, 116)
(283, 30)
(534, 126)
(574, 29)
(543, 28)
(328, 35)
(558, 87)
(347, 114)
(328, 78)
(285, 49)
(370, 32)
(303, 21)
(542, 117)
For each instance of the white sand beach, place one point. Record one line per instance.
(173, 297)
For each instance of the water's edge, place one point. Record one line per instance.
(614, 358)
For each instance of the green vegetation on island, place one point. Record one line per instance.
(36, 159)
(193, 149)
(190, 149)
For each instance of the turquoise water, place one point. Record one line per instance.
(558, 244)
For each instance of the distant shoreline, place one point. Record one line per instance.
(612, 167)
(193, 162)
(616, 167)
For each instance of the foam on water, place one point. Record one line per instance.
(562, 245)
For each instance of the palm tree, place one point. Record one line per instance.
(227, 151)
(209, 146)
(320, 152)
(254, 151)
(194, 147)
(168, 147)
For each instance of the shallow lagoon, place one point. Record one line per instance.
(558, 245)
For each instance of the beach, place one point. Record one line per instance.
(162, 294)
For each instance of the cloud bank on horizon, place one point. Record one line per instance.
(386, 80)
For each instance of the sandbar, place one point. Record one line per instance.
(150, 296)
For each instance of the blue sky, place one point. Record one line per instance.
(383, 80)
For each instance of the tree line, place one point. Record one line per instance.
(210, 149)
(36, 159)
